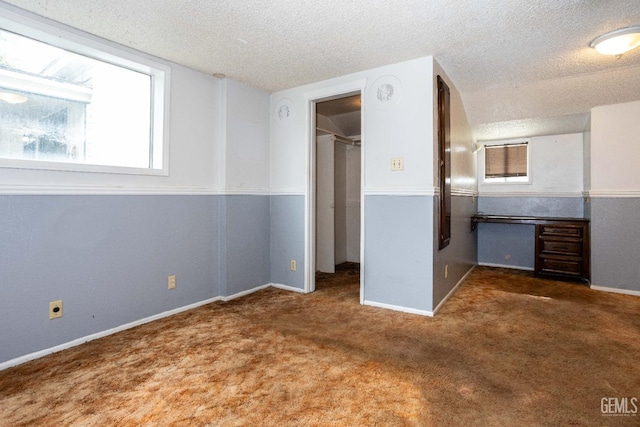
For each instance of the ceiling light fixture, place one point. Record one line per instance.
(617, 42)
(13, 98)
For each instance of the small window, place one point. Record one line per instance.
(63, 108)
(506, 162)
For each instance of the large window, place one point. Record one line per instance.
(75, 107)
(506, 162)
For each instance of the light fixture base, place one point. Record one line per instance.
(617, 42)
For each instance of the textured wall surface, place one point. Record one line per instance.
(507, 245)
(106, 257)
(247, 242)
(615, 242)
(615, 150)
(246, 149)
(399, 230)
(513, 245)
(287, 240)
(555, 167)
(615, 196)
(461, 254)
(565, 207)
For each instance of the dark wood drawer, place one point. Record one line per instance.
(560, 266)
(562, 250)
(561, 247)
(561, 230)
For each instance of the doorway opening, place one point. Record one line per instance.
(338, 188)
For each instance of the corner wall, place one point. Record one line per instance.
(397, 122)
(105, 243)
(555, 190)
(615, 197)
(461, 253)
(398, 108)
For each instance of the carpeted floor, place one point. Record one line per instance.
(506, 350)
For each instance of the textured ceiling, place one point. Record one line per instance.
(520, 65)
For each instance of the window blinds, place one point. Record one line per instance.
(504, 161)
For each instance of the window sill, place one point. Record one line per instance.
(79, 167)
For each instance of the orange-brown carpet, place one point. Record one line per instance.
(505, 350)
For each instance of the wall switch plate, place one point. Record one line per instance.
(293, 265)
(171, 282)
(397, 163)
(55, 309)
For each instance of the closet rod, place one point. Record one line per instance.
(344, 140)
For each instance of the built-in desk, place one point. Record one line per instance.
(562, 244)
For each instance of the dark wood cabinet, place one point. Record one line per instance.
(562, 244)
(562, 249)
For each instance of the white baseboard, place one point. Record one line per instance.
(453, 291)
(514, 267)
(287, 288)
(616, 290)
(398, 308)
(38, 354)
(243, 293)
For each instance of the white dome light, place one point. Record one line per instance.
(617, 42)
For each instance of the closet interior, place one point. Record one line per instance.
(338, 182)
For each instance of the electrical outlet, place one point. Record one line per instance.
(446, 271)
(55, 309)
(397, 163)
(292, 265)
(171, 282)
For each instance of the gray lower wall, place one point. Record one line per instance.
(562, 207)
(507, 245)
(399, 251)
(513, 245)
(615, 242)
(461, 253)
(287, 239)
(247, 242)
(106, 257)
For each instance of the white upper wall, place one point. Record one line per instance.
(586, 162)
(398, 127)
(555, 163)
(247, 139)
(615, 148)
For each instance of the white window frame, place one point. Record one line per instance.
(76, 41)
(517, 180)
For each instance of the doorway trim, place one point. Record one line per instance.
(311, 98)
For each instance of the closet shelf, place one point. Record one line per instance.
(338, 138)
